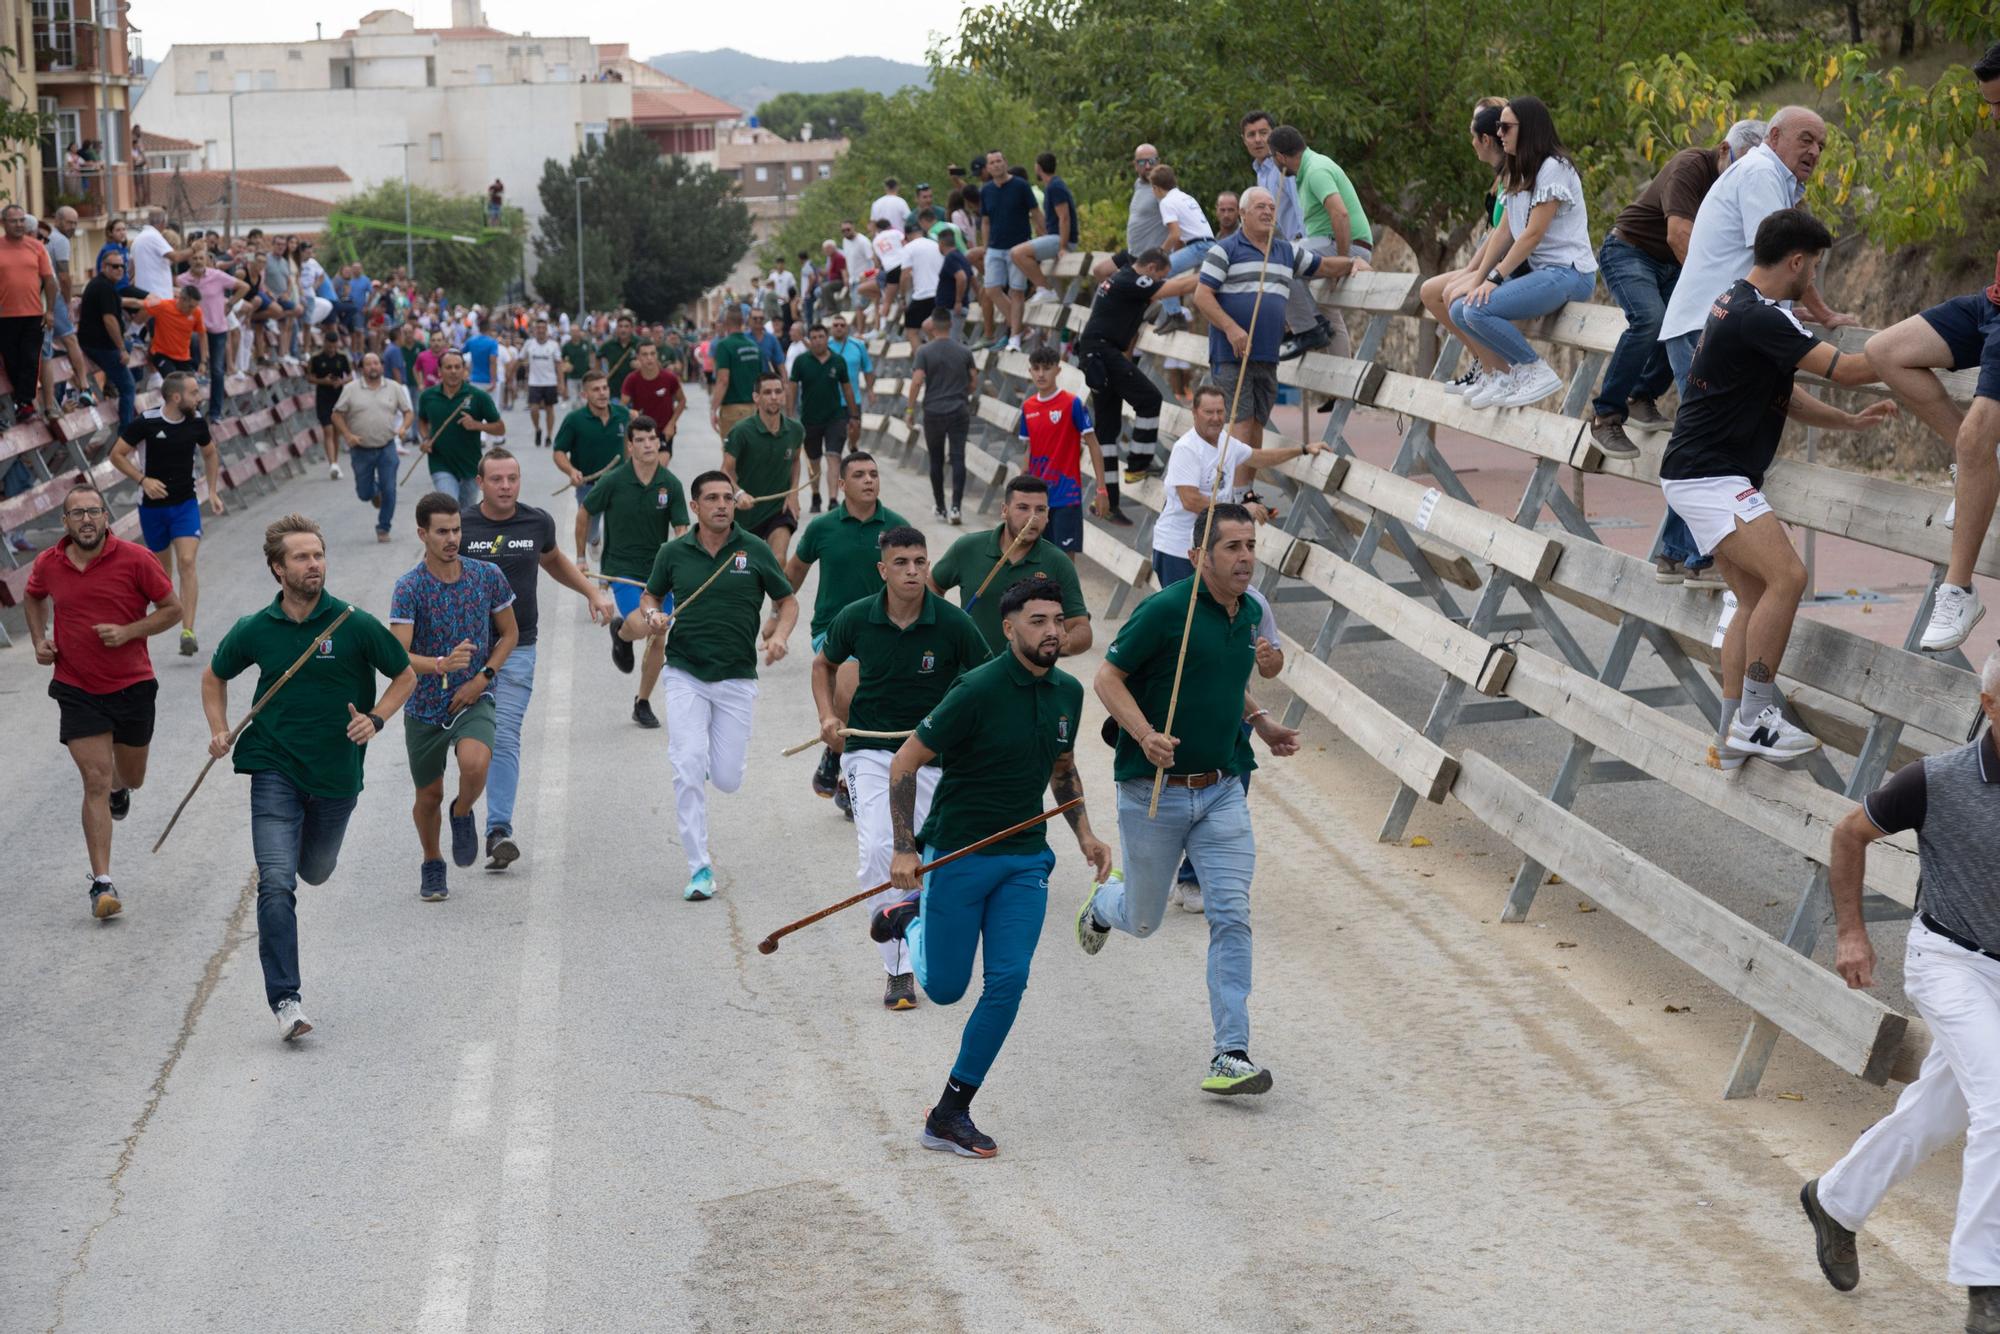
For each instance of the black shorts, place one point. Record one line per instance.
(888, 279)
(771, 525)
(127, 714)
(917, 312)
(1066, 528)
(541, 395)
(825, 438)
(323, 409)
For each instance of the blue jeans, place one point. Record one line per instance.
(375, 475)
(218, 352)
(119, 376)
(465, 488)
(1002, 900)
(1534, 294)
(1212, 826)
(1676, 542)
(513, 687)
(295, 836)
(1641, 285)
(1187, 257)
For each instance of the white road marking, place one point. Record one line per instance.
(472, 1094)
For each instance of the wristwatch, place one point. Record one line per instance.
(487, 672)
(1494, 276)
(376, 719)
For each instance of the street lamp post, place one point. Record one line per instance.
(581, 307)
(229, 214)
(409, 244)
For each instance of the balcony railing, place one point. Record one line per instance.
(96, 190)
(66, 46)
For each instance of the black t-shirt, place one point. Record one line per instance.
(169, 448)
(516, 545)
(100, 298)
(1739, 389)
(333, 365)
(1119, 306)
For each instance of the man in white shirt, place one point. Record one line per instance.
(888, 267)
(922, 262)
(1190, 480)
(891, 206)
(860, 258)
(544, 357)
(153, 258)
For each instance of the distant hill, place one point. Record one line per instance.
(748, 80)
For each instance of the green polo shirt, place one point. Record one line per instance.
(997, 733)
(456, 449)
(966, 564)
(593, 445)
(819, 382)
(302, 732)
(847, 551)
(577, 357)
(744, 361)
(716, 638)
(1320, 176)
(1221, 650)
(618, 358)
(764, 461)
(904, 671)
(639, 515)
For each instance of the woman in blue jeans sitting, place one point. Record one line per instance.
(1547, 227)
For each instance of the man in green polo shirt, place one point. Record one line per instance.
(845, 542)
(643, 508)
(618, 353)
(1019, 541)
(303, 752)
(761, 456)
(1334, 225)
(591, 439)
(1005, 731)
(883, 663)
(1203, 813)
(454, 416)
(577, 358)
(721, 576)
(738, 362)
(824, 401)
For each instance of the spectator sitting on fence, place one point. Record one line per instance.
(1547, 227)
(1440, 290)
(1334, 224)
(1740, 393)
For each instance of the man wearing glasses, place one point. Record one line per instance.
(104, 686)
(100, 331)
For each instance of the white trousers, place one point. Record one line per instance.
(1956, 1093)
(708, 739)
(867, 774)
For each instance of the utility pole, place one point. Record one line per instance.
(581, 308)
(409, 245)
(229, 214)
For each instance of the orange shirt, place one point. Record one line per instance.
(171, 329)
(23, 265)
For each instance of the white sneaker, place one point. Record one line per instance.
(1769, 735)
(1951, 511)
(1492, 387)
(1463, 384)
(1190, 896)
(292, 1021)
(1014, 343)
(1532, 384)
(1043, 294)
(333, 471)
(1953, 614)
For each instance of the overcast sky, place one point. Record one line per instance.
(779, 29)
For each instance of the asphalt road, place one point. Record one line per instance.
(567, 1100)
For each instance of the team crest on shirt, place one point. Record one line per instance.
(927, 664)
(742, 562)
(1055, 417)
(1062, 728)
(664, 499)
(326, 647)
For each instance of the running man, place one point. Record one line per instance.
(170, 511)
(860, 372)
(761, 459)
(1057, 427)
(738, 364)
(1004, 732)
(652, 388)
(619, 351)
(521, 541)
(577, 356)
(328, 371)
(590, 440)
(826, 404)
(883, 663)
(455, 618)
(1018, 540)
(109, 599)
(1203, 813)
(372, 414)
(712, 656)
(543, 357)
(846, 543)
(454, 416)
(643, 508)
(304, 752)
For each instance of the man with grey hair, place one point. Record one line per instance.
(1951, 973)
(1145, 229)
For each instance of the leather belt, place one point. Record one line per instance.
(1196, 782)
(1932, 924)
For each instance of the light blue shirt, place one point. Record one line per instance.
(1725, 228)
(855, 353)
(1284, 189)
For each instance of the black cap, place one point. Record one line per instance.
(954, 170)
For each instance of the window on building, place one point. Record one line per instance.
(430, 71)
(482, 74)
(295, 54)
(201, 80)
(763, 173)
(241, 81)
(215, 55)
(798, 172)
(267, 79)
(340, 73)
(594, 133)
(437, 148)
(559, 72)
(824, 171)
(208, 153)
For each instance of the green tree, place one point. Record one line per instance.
(832, 115)
(658, 231)
(20, 124)
(476, 270)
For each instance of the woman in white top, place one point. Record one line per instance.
(1547, 227)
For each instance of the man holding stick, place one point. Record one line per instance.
(304, 749)
(721, 575)
(454, 415)
(898, 651)
(110, 597)
(1005, 731)
(643, 508)
(761, 457)
(983, 565)
(1152, 668)
(590, 440)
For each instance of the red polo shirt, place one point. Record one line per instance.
(654, 397)
(121, 586)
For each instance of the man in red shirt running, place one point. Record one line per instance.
(654, 391)
(102, 586)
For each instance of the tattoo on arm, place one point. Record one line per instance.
(903, 811)
(1758, 672)
(1067, 784)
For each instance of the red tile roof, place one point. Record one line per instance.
(294, 175)
(207, 193)
(654, 104)
(166, 143)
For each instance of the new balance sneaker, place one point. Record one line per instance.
(121, 802)
(1090, 933)
(1954, 611)
(431, 886)
(1230, 1074)
(902, 992)
(1769, 735)
(953, 1132)
(1492, 387)
(621, 649)
(1463, 384)
(189, 644)
(464, 838)
(1705, 576)
(501, 850)
(1646, 412)
(642, 714)
(1532, 384)
(826, 778)
(292, 1021)
(700, 886)
(1667, 570)
(104, 901)
(1610, 437)
(1720, 757)
(1833, 1243)
(892, 920)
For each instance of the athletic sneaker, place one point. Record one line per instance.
(1014, 343)
(957, 518)
(1190, 896)
(1834, 1244)
(1610, 438)
(953, 1132)
(189, 644)
(842, 802)
(1297, 345)
(104, 900)
(939, 511)
(902, 992)
(292, 1021)
(700, 886)
(1954, 611)
(826, 778)
(431, 886)
(1042, 295)
(642, 713)
(501, 850)
(1463, 384)
(818, 503)
(1229, 1074)
(1090, 934)
(1492, 387)
(1726, 760)
(1769, 735)
(121, 802)
(333, 472)
(464, 838)
(1118, 518)
(621, 649)
(1704, 576)
(892, 921)
(1532, 384)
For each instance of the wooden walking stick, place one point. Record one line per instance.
(255, 708)
(845, 731)
(1207, 523)
(998, 565)
(586, 481)
(778, 495)
(769, 944)
(618, 579)
(422, 451)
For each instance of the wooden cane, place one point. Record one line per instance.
(586, 481)
(769, 944)
(779, 495)
(618, 579)
(998, 565)
(421, 450)
(846, 731)
(255, 709)
(1207, 523)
